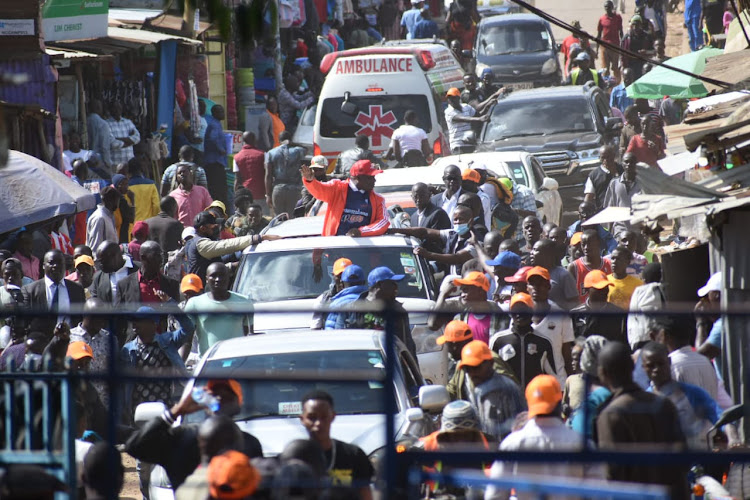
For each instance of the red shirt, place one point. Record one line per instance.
(148, 287)
(249, 162)
(611, 27)
(645, 153)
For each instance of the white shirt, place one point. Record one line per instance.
(118, 275)
(646, 297)
(486, 207)
(83, 154)
(542, 433)
(456, 130)
(558, 330)
(63, 299)
(449, 204)
(692, 368)
(491, 192)
(409, 137)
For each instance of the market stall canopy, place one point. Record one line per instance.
(660, 81)
(120, 40)
(32, 191)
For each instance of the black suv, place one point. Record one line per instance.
(564, 127)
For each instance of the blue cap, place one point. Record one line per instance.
(488, 71)
(506, 259)
(117, 178)
(383, 274)
(145, 312)
(353, 274)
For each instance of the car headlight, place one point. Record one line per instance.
(588, 155)
(425, 339)
(479, 68)
(549, 67)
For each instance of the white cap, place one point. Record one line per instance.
(319, 161)
(478, 166)
(712, 285)
(188, 232)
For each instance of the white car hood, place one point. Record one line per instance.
(297, 314)
(365, 431)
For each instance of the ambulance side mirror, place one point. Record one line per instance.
(348, 107)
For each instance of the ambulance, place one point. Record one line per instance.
(367, 91)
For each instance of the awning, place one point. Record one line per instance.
(120, 40)
(654, 181)
(733, 68)
(719, 137)
(652, 206)
(61, 53)
(154, 20)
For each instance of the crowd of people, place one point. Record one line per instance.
(536, 319)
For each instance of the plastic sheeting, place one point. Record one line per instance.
(32, 191)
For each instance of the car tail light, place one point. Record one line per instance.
(437, 146)
(327, 63)
(424, 57)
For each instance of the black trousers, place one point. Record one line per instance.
(216, 177)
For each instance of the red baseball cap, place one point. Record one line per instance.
(520, 276)
(363, 167)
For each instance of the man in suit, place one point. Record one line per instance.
(52, 293)
(428, 214)
(164, 228)
(148, 284)
(114, 267)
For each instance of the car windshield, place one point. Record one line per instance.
(377, 116)
(264, 398)
(305, 274)
(538, 117)
(509, 38)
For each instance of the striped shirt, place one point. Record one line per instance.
(693, 368)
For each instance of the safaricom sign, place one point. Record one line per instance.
(380, 65)
(66, 20)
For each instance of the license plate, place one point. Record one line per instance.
(520, 85)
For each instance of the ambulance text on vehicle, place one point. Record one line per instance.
(382, 84)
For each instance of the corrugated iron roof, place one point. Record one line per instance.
(62, 53)
(732, 67)
(121, 40)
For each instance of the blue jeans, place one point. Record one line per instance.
(695, 35)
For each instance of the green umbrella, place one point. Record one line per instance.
(660, 81)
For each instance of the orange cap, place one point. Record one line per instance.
(537, 271)
(340, 265)
(233, 385)
(596, 279)
(521, 298)
(474, 354)
(543, 395)
(83, 259)
(191, 282)
(453, 92)
(576, 238)
(471, 175)
(232, 476)
(79, 350)
(474, 278)
(455, 331)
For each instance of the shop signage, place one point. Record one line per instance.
(17, 27)
(74, 19)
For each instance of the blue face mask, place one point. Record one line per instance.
(461, 229)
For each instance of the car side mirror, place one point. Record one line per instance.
(145, 412)
(433, 398)
(468, 53)
(612, 123)
(348, 107)
(414, 415)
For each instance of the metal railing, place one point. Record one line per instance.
(29, 435)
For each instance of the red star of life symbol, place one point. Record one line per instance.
(375, 124)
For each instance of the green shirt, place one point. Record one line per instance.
(212, 328)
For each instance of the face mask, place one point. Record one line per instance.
(461, 229)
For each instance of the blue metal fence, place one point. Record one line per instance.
(37, 419)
